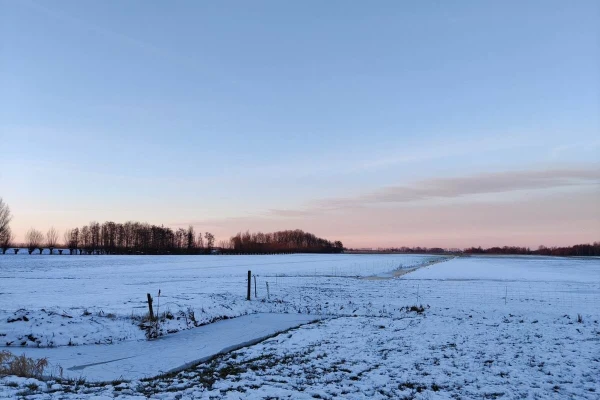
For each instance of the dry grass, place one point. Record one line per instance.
(21, 365)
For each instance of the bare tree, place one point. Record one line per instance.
(5, 217)
(73, 242)
(190, 239)
(210, 241)
(51, 239)
(66, 241)
(33, 240)
(6, 239)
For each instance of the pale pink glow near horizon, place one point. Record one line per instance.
(552, 221)
(524, 208)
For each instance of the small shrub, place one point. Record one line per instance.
(21, 365)
(579, 319)
(192, 315)
(418, 309)
(230, 369)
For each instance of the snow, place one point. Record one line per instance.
(491, 327)
(515, 268)
(143, 359)
(55, 300)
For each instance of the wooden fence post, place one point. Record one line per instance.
(249, 284)
(268, 294)
(255, 295)
(150, 310)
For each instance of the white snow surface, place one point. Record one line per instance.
(145, 359)
(515, 269)
(490, 328)
(48, 301)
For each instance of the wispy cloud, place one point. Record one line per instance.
(455, 187)
(110, 34)
(553, 218)
(89, 26)
(477, 184)
(345, 160)
(579, 147)
(286, 213)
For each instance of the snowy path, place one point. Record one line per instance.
(143, 359)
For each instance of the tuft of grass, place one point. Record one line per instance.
(21, 365)
(230, 369)
(32, 386)
(417, 309)
(579, 319)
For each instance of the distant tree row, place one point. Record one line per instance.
(407, 250)
(514, 250)
(293, 241)
(576, 250)
(128, 238)
(581, 250)
(142, 238)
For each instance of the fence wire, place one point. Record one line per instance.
(313, 293)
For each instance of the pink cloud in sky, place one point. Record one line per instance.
(552, 220)
(527, 208)
(521, 208)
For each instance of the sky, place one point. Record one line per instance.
(387, 123)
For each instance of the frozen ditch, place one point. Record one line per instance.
(144, 359)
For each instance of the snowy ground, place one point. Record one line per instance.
(492, 327)
(48, 301)
(132, 360)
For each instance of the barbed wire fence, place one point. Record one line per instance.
(339, 293)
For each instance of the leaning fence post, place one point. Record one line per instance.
(418, 295)
(268, 294)
(249, 284)
(255, 294)
(150, 310)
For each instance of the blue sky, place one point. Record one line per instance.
(225, 114)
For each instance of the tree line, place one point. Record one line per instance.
(407, 250)
(142, 238)
(292, 241)
(122, 238)
(580, 250)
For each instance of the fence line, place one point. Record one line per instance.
(510, 295)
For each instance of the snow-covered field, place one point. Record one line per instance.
(491, 327)
(50, 301)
